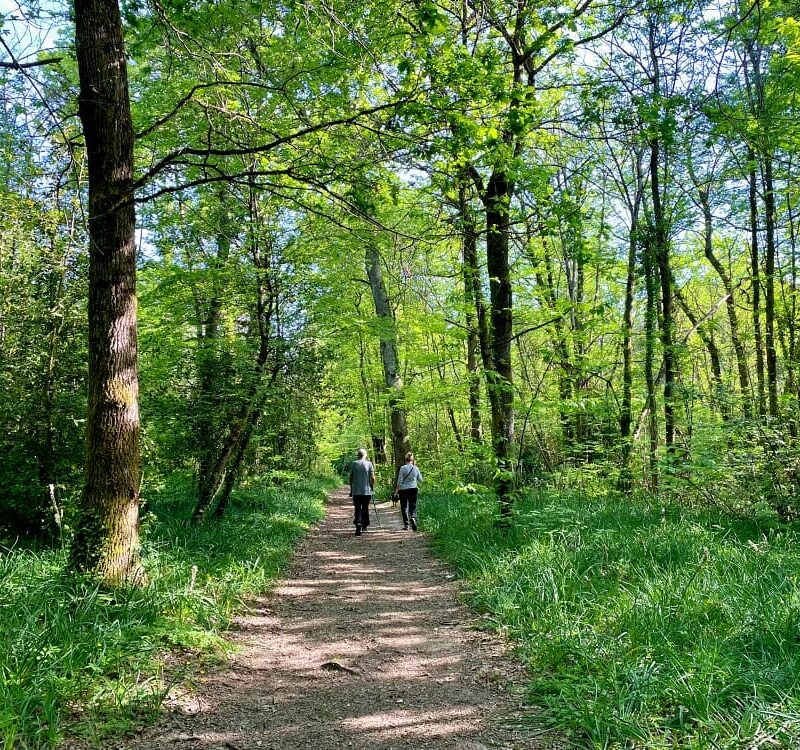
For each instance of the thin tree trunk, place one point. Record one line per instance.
(475, 309)
(713, 353)
(626, 408)
(756, 275)
(661, 247)
(661, 251)
(106, 541)
(208, 398)
(730, 305)
(651, 287)
(791, 378)
(226, 468)
(769, 296)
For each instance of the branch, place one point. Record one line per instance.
(16, 65)
(261, 148)
(188, 97)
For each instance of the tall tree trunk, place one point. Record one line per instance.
(756, 276)
(475, 311)
(626, 407)
(236, 460)
(650, 318)
(106, 541)
(208, 398)
(661, 252)
(377, 438)
(769, 296)
(389, 356)
(792, 329)
(730, 304)
(225, 469)
(496, 200)
(661, 248)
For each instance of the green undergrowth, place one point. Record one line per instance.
(73, 655)
(642, 626)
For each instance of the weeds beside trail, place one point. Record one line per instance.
(643, 627)
(72, 652)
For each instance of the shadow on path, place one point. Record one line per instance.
(364, 645)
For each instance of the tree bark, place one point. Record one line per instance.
(225, 470)
(661, 252)
(626, 407)
(713, 353)
(106, 542)
(476, 312)
(207, 400)
(756, 277)
(389, 356)
(769, 295)
(497, 204)
(730, 305)
(651, 314)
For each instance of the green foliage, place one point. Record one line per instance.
(73, 655)
(641, 625)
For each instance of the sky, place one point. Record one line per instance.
(29, 28)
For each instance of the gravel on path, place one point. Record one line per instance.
(364, 646)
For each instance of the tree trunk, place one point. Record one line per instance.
(651, 287)
(626, 408)
(106, 542)
(225, 469)
(661, 251)
(475, 309)
(769, 295)
(730, 305)
(713, 353)
(378, 440)
(756, 276)
(496, 201)
(389, 356)
(207, 400)
(661, 248)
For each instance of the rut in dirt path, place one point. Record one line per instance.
(364, 645)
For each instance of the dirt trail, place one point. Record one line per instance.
(364, 645)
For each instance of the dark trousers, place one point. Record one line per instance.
(408, 505)
(361, 507)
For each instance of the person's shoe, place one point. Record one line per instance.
(414, 524)
(405, 528)
(358, 531)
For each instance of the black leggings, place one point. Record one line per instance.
(408, 505)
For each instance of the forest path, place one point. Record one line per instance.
(363, 645)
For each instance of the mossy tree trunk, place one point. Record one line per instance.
(106, 542)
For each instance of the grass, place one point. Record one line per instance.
(71, 653)
(642, 627)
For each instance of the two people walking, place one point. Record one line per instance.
(362, 485)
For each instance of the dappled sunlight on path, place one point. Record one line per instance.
(364, 645)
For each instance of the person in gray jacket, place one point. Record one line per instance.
(407, 479)
(362, 483)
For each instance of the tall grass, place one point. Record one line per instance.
(642, 627)
(73, 653)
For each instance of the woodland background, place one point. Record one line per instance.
(550, 248)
